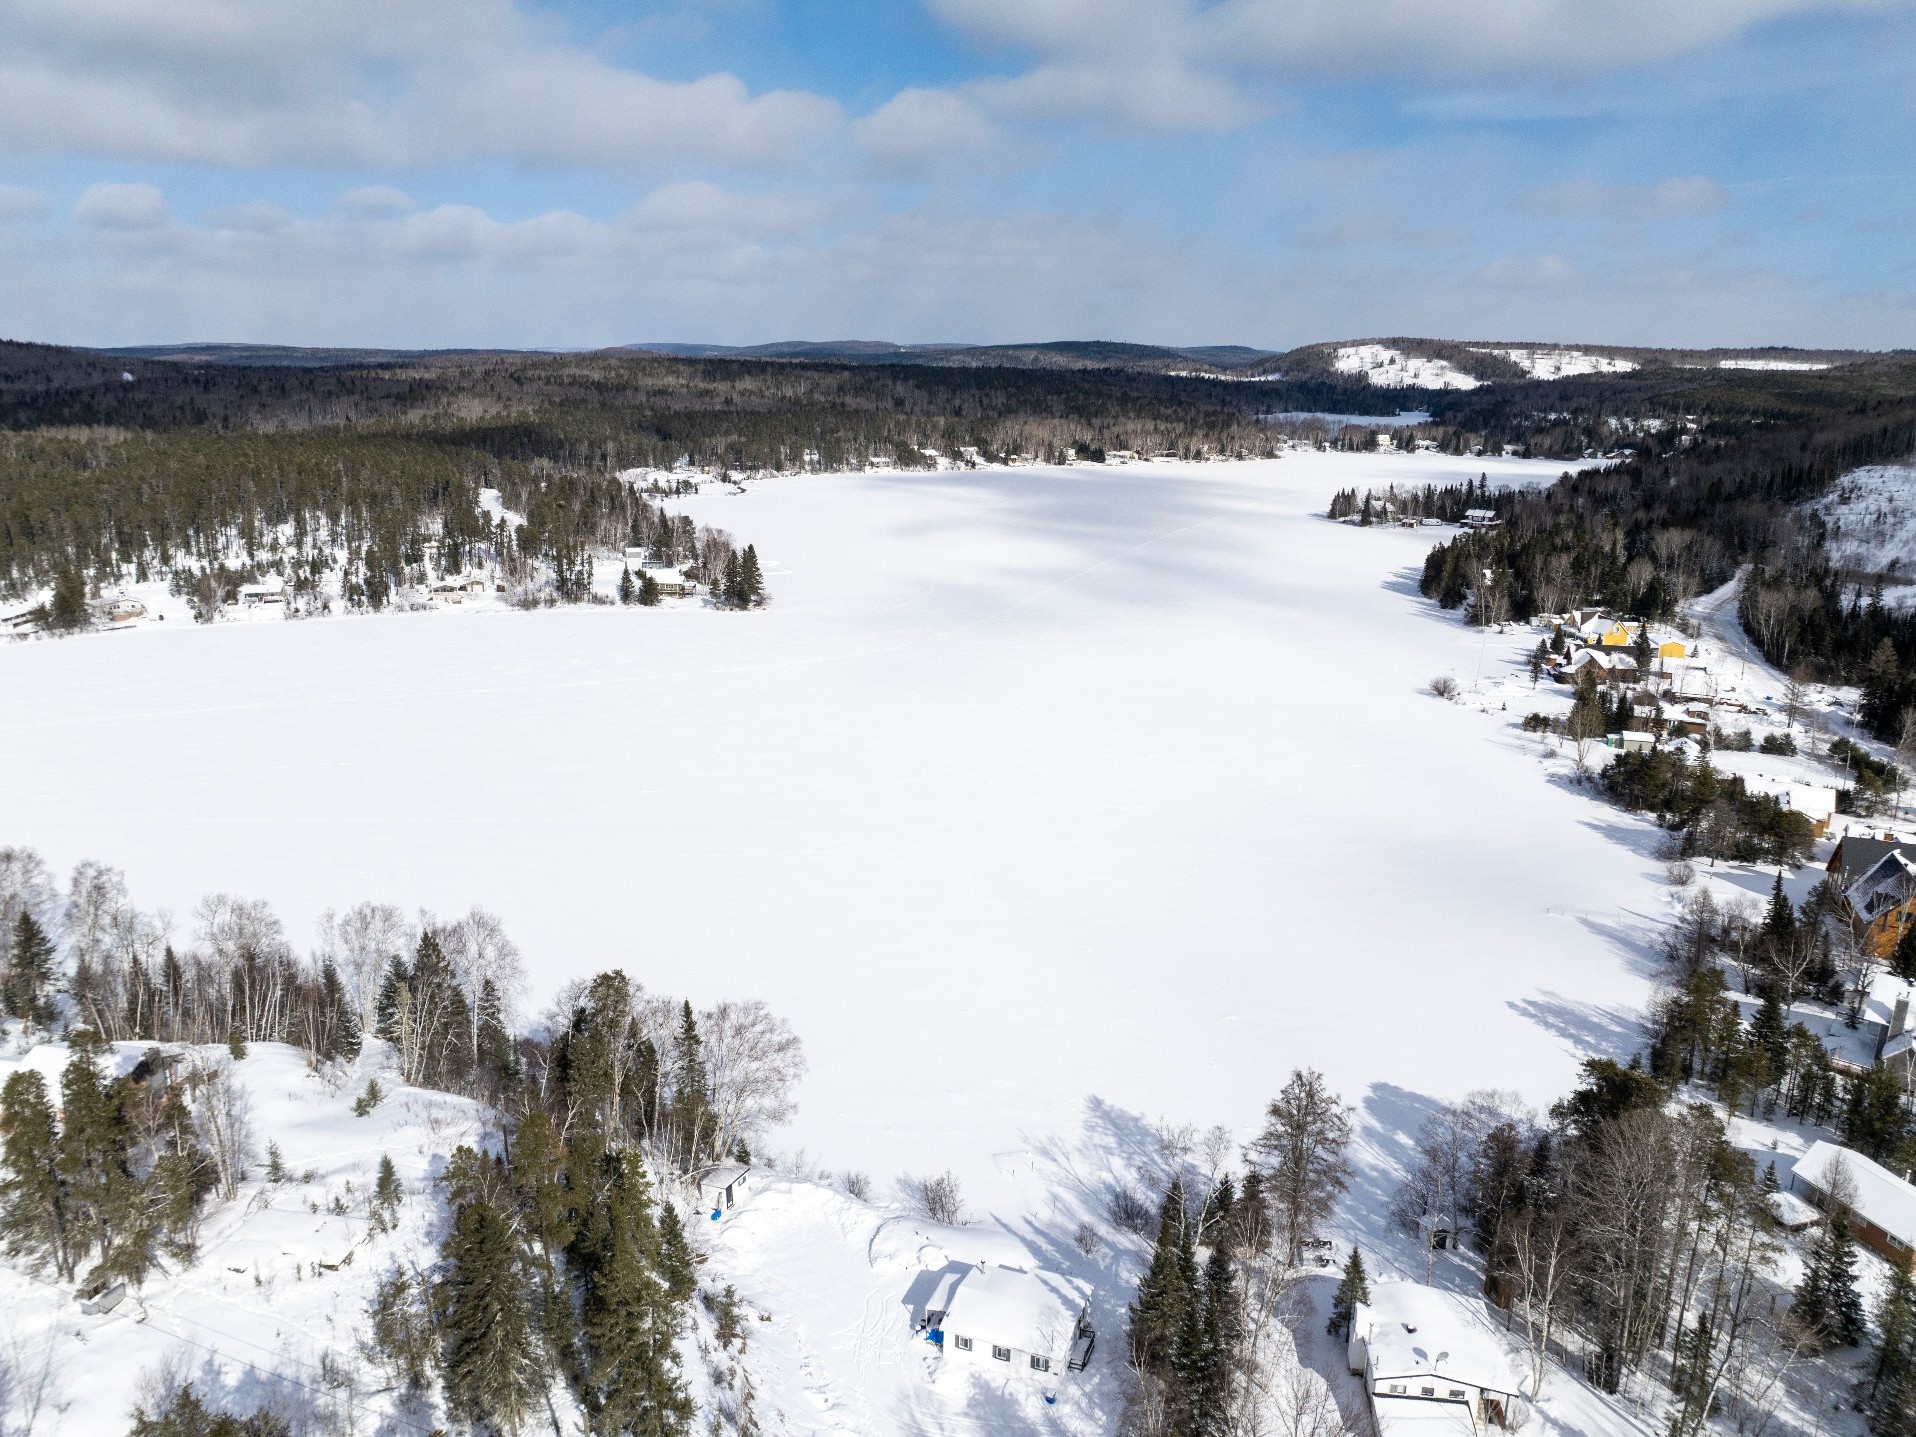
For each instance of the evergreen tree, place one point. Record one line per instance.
(649, 591)
(185, 1415)
(487, 1359)
(1690, 1380)
(387, 1193)
(1892, 1383)
(691, 1090)
(1352, 1289)
(1827, 1303)
(628, 591)
(1903, 957)
(1769, 1030)
(68, 609)
(34, 1217)
(93, 1151)
(1167, 1296)
(30, 972)
(675, 1255)
(734, 582)
(628, 1320)
(751, 582)
(1779, 919)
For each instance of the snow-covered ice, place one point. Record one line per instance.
(1390, 368)
(1040, 801)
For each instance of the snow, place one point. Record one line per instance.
(1778, 365)
(1411, 1329)
(1562, 363)
(1098, 776)
(1870, 529)
(252, 1316)
(1393, 369)
(1028, 1311)
(1399, 420)
(1880, 1195)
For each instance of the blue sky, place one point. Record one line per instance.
(1269, 172)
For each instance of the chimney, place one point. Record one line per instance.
(1899, 1016)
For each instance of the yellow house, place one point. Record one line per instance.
(1616, 637)
(1671, 650)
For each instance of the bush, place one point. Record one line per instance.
(856, 1185)
(1680, 874)
(1086, 1239)
(1779, 743)
(1536, 723)
(1445, 687)
(938, 1198)
(1129, 1211)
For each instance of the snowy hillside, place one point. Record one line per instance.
(1561, 363)
(1871, 514)
(1390, 368)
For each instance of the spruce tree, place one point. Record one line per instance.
(95, 1143)
(649, 591)
(1779, 919)
(35, 1221)
(675, 1255)
(628, 1319)
(1903, 957)
(628, 591)
(30, 972)
(1827, 1303)
(1352, 1289)
(1167, 1296)
(751, 582)
(487, 1358)
(1892, 1383)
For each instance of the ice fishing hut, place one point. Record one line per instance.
(719, 1189)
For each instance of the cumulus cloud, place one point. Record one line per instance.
(20, 204)
(1678, 198)
(922, 133)
(365, 84)
(136, 206)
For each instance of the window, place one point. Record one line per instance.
(1398, 1388)
(1427, 1392)
(963, 1344)
(1458, 1392)
(1003, 1354)
(1040, 1364)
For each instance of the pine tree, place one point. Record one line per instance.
(649, 591)
(1690, 1375)
(1352, 1289)
(1903, 957)
(1827, 1303)
(485, 1328)
(734, 588)
(68, 608)
(1167, 1296)
(93, 1152)
(34, 1218)
(751, 582)
(1779, 919)
(30, 972)
(387, 1193)
(675, 1255)
(628, 591)
(691, 1090)
(401, 1338)
(1769, 1029)
(185, 1415)
(628, 1319)
(1892, 1384)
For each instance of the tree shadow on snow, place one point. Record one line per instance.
(1589, 1028)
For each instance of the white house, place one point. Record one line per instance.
(719, 1189)
(273, 591)
(1033, 1322)
(1431, 1357)
(1477, 518)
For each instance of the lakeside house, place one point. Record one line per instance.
(1881, 1205)
(1431, 1358)
(721, 1188)
(1028, 1321)
(1876, 878)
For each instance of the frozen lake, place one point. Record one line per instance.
(1038, 798)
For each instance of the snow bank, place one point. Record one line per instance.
(1562, 363)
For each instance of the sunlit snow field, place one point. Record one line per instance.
(1039, 800)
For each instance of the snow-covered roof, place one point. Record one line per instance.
(722, 1175)
(1889, 882)
(1880, 1196)
(1032, 1311)
(1411, 1330)
(1814, 801)
(1420, 1417)
(1791, 1211)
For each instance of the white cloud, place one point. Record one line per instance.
(375, 202)
(1679, 198)
(923, 133)
(1189, 65)
(20, 204)
(365, 84)
(137, 206)
(254, 216)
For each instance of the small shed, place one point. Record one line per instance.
(1030, 1321)
(1432, 1358)
(721, 1188)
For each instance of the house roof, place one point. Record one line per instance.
(1421, 1417)
(1411, 1330)
(1033, 1311)
(1890, 881)
(1880, 1196)
(721, 1174)
(1855, 855)
(1791, 1211)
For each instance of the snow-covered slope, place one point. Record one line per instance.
(1393, 369)
(284, 1272)
(1562, 363)
(1871, 514)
